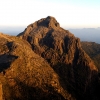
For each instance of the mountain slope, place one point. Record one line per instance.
(65, 55)
(26, 76)
(93, 50)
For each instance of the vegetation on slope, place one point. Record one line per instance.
(93, 50)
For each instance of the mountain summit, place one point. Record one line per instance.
(49, 22)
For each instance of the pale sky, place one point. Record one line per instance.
(69, 13)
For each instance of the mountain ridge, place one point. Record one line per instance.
(26, 72)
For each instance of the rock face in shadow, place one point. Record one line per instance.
(63, 52)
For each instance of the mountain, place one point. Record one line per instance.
(46, 62)
(25, 75)
(87, 34)
(62, 50)
(93, 50)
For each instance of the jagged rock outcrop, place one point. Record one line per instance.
(63, 51)
(26, 76)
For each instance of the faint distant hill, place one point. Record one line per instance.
(87, 34)
(11, 30)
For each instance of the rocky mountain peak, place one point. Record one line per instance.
(49, 22)
(52, 22)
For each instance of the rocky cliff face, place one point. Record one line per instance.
(63, 52)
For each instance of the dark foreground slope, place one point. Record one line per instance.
(93, 50)
(76, 71)
(26, 76)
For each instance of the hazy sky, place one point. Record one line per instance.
(69, 13)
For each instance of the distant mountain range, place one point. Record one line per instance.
(11, 30)
(87, 34)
